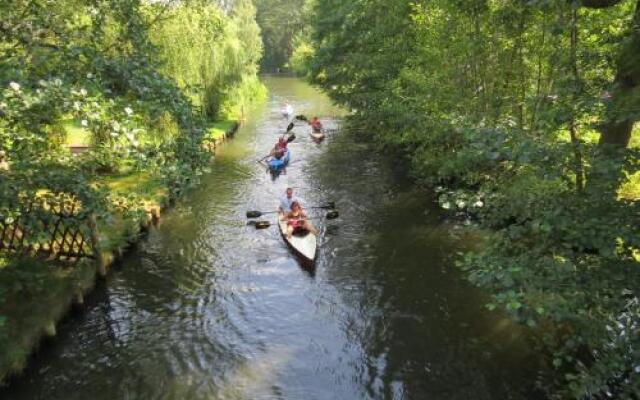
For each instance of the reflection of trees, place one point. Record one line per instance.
(422, 328)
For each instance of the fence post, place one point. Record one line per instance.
(95, 245)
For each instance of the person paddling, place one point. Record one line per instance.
(297, 221)
(280, 148)
(316, 125)
(287, 111)
(287, 201)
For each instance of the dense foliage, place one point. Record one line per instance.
(280, 22)
(521, 115)
(113, 68)
(212, 55)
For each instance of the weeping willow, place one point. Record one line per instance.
(212, 54)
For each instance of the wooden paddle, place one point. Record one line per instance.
(257, 214)
(267, 224)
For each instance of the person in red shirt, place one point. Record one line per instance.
(316, 125)
(280, 148)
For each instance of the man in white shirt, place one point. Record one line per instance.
(285, 202)
(287, 111)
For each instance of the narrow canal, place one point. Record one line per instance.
(207, 307)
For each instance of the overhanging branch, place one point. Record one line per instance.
(599, 3)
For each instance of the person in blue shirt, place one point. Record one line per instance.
(287, 200)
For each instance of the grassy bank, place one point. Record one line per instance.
(35, 295)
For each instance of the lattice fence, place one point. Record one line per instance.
(51, 226)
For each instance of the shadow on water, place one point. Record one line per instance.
(208, 307)
(423, 328)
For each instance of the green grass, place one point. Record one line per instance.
(143, 184)
(217, 129)
(76, 134)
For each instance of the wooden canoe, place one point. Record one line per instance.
(303, 246)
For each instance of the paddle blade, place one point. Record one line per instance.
(332, 215)
(291, 138)
(302, 118)
(262, 224)
(327, 206)
(290, 126)
(253, 214)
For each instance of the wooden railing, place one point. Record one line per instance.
(51, 226)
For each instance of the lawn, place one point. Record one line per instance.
(217, 129)
(76, 134)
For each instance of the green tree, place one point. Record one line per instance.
(520, 116)
(280, 21)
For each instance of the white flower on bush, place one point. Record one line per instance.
(83, 92)
(461, 204)
(84, 123)
(128, 110)
(115, 125)
(446, 205)
(42, 83)
(57, 82)
(15, 86)
(114, 134)
(478, 204)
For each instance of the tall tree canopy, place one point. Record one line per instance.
(279, 20)
(521, 116)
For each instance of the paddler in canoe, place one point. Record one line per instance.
(297, 221)
(280, 148)
(287, 201)
(316, 125)
(287, 111)
(316, 129)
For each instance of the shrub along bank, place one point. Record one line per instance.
(107, 76)
(520, 116)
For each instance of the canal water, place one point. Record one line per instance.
(208, 307)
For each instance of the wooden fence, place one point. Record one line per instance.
(51, 227)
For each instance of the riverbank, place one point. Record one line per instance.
(36, 295)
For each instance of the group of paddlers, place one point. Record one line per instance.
(291, 209)
(287, 113)
(292, 212)
(280, 148)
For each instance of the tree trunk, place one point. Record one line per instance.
(621, 113)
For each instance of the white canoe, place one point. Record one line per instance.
(318, 136)
(304, 246)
